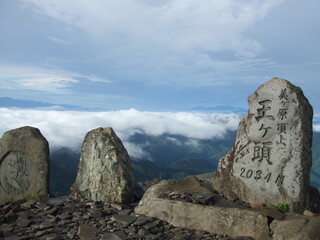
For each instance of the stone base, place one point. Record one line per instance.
(231, 220)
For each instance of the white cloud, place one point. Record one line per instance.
(60, 41)
(177, 25)
(316, 128)
(192, 142)
(68, 128)
(41, 78)
(94, 78)
(316, 122)
(45, 83)
(137, 151)
(176, 42)
(174, 140)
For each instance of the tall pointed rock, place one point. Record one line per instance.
(105, 171)
(271, 159)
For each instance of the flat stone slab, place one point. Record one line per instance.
(271, 159)
(87, 232)
(232, 221)
(124, 220)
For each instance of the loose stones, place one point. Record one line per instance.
(24, 165)
(105, 172)
(271, 159)
(46, 221)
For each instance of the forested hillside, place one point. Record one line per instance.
(169, 156)
(166, 149)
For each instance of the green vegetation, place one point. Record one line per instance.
(192, 166)
(174, 156)
(167, 149)
(63, 171)
(147, 170)
(283, 207)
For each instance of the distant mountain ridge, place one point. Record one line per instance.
(220, 109)
(148, 170)
(169, 160)
(9, 102)
(168, 148)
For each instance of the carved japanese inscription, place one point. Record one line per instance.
(14, 173)
(271, 159)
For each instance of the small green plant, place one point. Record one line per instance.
(283, 207)
(40, 197)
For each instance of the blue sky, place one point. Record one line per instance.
(156, 55)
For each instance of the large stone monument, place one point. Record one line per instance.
(24, 165)
(105, 172)
(271, 159)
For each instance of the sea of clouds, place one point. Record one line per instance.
(68, 128)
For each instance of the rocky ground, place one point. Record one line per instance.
(63, 219)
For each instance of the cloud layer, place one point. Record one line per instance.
(68, 128)
(46, 79)
(161, 42)
(210, 25)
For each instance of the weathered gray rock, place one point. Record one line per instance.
(87, 232)
(124, 220)
(271, 159)
(105, 172)
(232, 221)
(24, 165)
(296, 227)
(110, 236)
